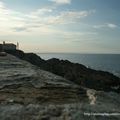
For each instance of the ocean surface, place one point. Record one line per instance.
(104, 62)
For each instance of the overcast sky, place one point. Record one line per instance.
(74, 26)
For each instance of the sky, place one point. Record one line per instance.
(63, 26)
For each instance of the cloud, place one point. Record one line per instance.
(67, 17)
(42, 11)
(77, 36)
(110, 25)
(42, 20)
(9, 19)
(61, 1)
(20, 29)
(106, 25)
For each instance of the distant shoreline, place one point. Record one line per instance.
(76, 53)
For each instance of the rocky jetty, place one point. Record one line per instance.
(77, 73)
(29, 93)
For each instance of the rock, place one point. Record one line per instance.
(29, 93)
(77, 73)
(21, 82)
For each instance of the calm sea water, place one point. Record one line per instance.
(105, 62)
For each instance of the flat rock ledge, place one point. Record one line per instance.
(29, 93)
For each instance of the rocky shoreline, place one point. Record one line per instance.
(77, 73)
(29, 93)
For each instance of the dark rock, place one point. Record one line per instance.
(77, 73)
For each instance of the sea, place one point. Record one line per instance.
(104, 62)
